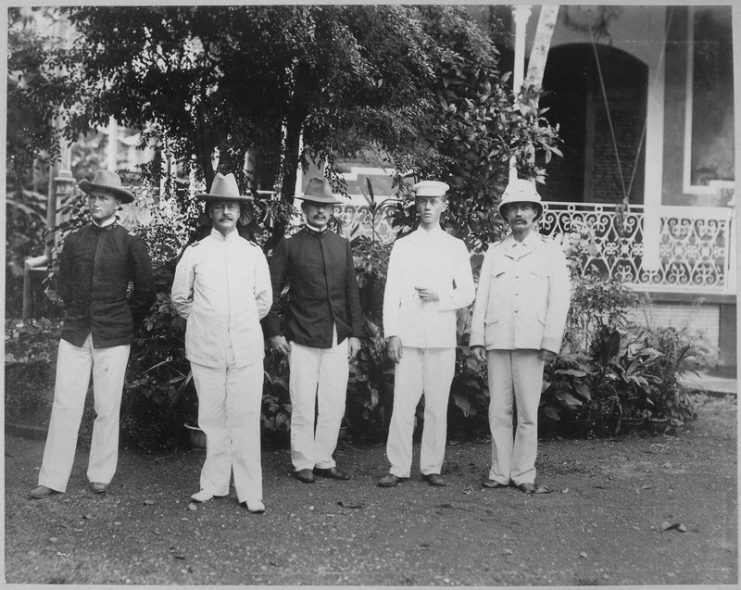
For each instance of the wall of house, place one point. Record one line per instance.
(637, 30)
(717, 316)
(641, 32)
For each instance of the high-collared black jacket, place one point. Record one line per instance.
(96, 267)
(322, 290)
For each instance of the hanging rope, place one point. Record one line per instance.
(609, 116)
(626, 193)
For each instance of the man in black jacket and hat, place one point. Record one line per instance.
(319, 331)
(97, 265)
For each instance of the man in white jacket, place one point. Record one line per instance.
(429, 278)
(222, 288)
(517, 326)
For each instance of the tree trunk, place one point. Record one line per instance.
(291, 158)
(541, 45)
(294, 126)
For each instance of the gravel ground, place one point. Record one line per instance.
(602, 525)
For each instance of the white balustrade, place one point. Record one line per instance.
(695, 243)
(695, 251)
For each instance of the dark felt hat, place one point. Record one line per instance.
(107, 182)
(318, 191)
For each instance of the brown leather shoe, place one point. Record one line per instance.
(331, 472)
(98, 488)
(389, 481)
(304, 475)
(42, 492)
(434, 479)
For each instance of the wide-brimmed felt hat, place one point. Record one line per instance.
(107, 182)
(224, 188)
(430, 188)
(318, 191)
(521, 191)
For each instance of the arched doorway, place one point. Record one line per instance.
(572, 90)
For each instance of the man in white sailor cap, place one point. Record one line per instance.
(517, 325)
(222, 288)
(429, 278)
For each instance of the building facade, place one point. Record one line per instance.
(644, 98)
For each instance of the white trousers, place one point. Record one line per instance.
(515, 376)
(318, 381)
(427, 371)
(74, 365)
(229, 404)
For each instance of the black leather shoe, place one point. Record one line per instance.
(42, 492)
(434, 479)
(493, 484)
(531, 488)
(98, 488)
(389, 481)
(304, 475)
(331, 472)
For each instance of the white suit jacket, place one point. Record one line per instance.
(523, 295)
(433, 259)
(222, 288)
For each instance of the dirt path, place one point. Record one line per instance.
(602, 525)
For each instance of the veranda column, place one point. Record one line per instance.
(654, 150)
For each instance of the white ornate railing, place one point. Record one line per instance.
(695, 244)
(695, 248)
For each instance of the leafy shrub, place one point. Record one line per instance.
(155, 403)
(276, 400)
(469, 398)
(370, 387)
(681, 353)
(30, 364)
(25, 234)
(30, 368)
(633, 372)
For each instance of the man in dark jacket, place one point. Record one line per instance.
(320, 331)
(96, 267)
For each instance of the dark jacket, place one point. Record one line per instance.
(95, 268)
(322, 289)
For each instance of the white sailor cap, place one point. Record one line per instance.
(430, 188)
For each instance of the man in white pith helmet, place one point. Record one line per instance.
(517, 325)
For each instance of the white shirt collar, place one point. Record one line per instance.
(437, 230)
(316, 230)
(110, 221)
(215, 233)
